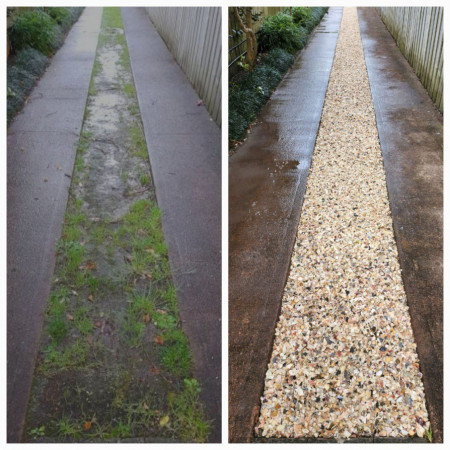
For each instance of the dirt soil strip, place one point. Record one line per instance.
(41, 152)
(113, 362)
(267, 180)
(185, 154)
(411, 137)
(344, 362)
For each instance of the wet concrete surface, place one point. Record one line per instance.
(185, 156)
(411, 132)
(41, 151)
(267, 181)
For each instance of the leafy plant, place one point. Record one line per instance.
(280, 31)
(60, 15)
(35, 29)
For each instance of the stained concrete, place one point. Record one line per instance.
(41, 152)
(267, 181)
(411, 137)
(185, 154)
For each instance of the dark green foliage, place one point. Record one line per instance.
(308, 17)
(64, 17)
(254, 89)
(280, 36)
(31, 60)
(35, 29)
(279, 59)
(34, 34)
(20, 83)
(175, 355)
(280, 31)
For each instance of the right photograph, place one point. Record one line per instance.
(335, 224)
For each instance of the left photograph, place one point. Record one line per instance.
(114, 224)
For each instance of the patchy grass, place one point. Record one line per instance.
(188, 416)
(138, 145)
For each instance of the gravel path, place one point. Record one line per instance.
(344, 361)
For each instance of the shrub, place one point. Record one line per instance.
(254, 89)
(280, 31)
(31, 60)
(59, 14)
(35, 29)
(64, 17)
(279, 59)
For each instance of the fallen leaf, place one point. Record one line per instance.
(147, 318)
(90, 265)
(87, 425)
(98, 324)
(164, 421)
(154, 370)
(69, 316)
(159, 340)
(161, 311)
(91, 298)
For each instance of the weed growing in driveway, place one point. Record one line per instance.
(137, 141)
(188, 417)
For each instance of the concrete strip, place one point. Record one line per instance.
(267, 181)
(411, 132)
(42, 144)
(185, 153)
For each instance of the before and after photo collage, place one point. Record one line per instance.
(223, 224)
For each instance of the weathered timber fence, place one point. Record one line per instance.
(194, 37)
(419, 35)
(237, 42)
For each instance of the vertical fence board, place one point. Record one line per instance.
(194, 37)
(419, 35)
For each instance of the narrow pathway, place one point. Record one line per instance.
(344, 362)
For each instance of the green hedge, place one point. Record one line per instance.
(34, 35)
(280, 36)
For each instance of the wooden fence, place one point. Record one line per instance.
(419, 35)
(194, 37)
(237, 44)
